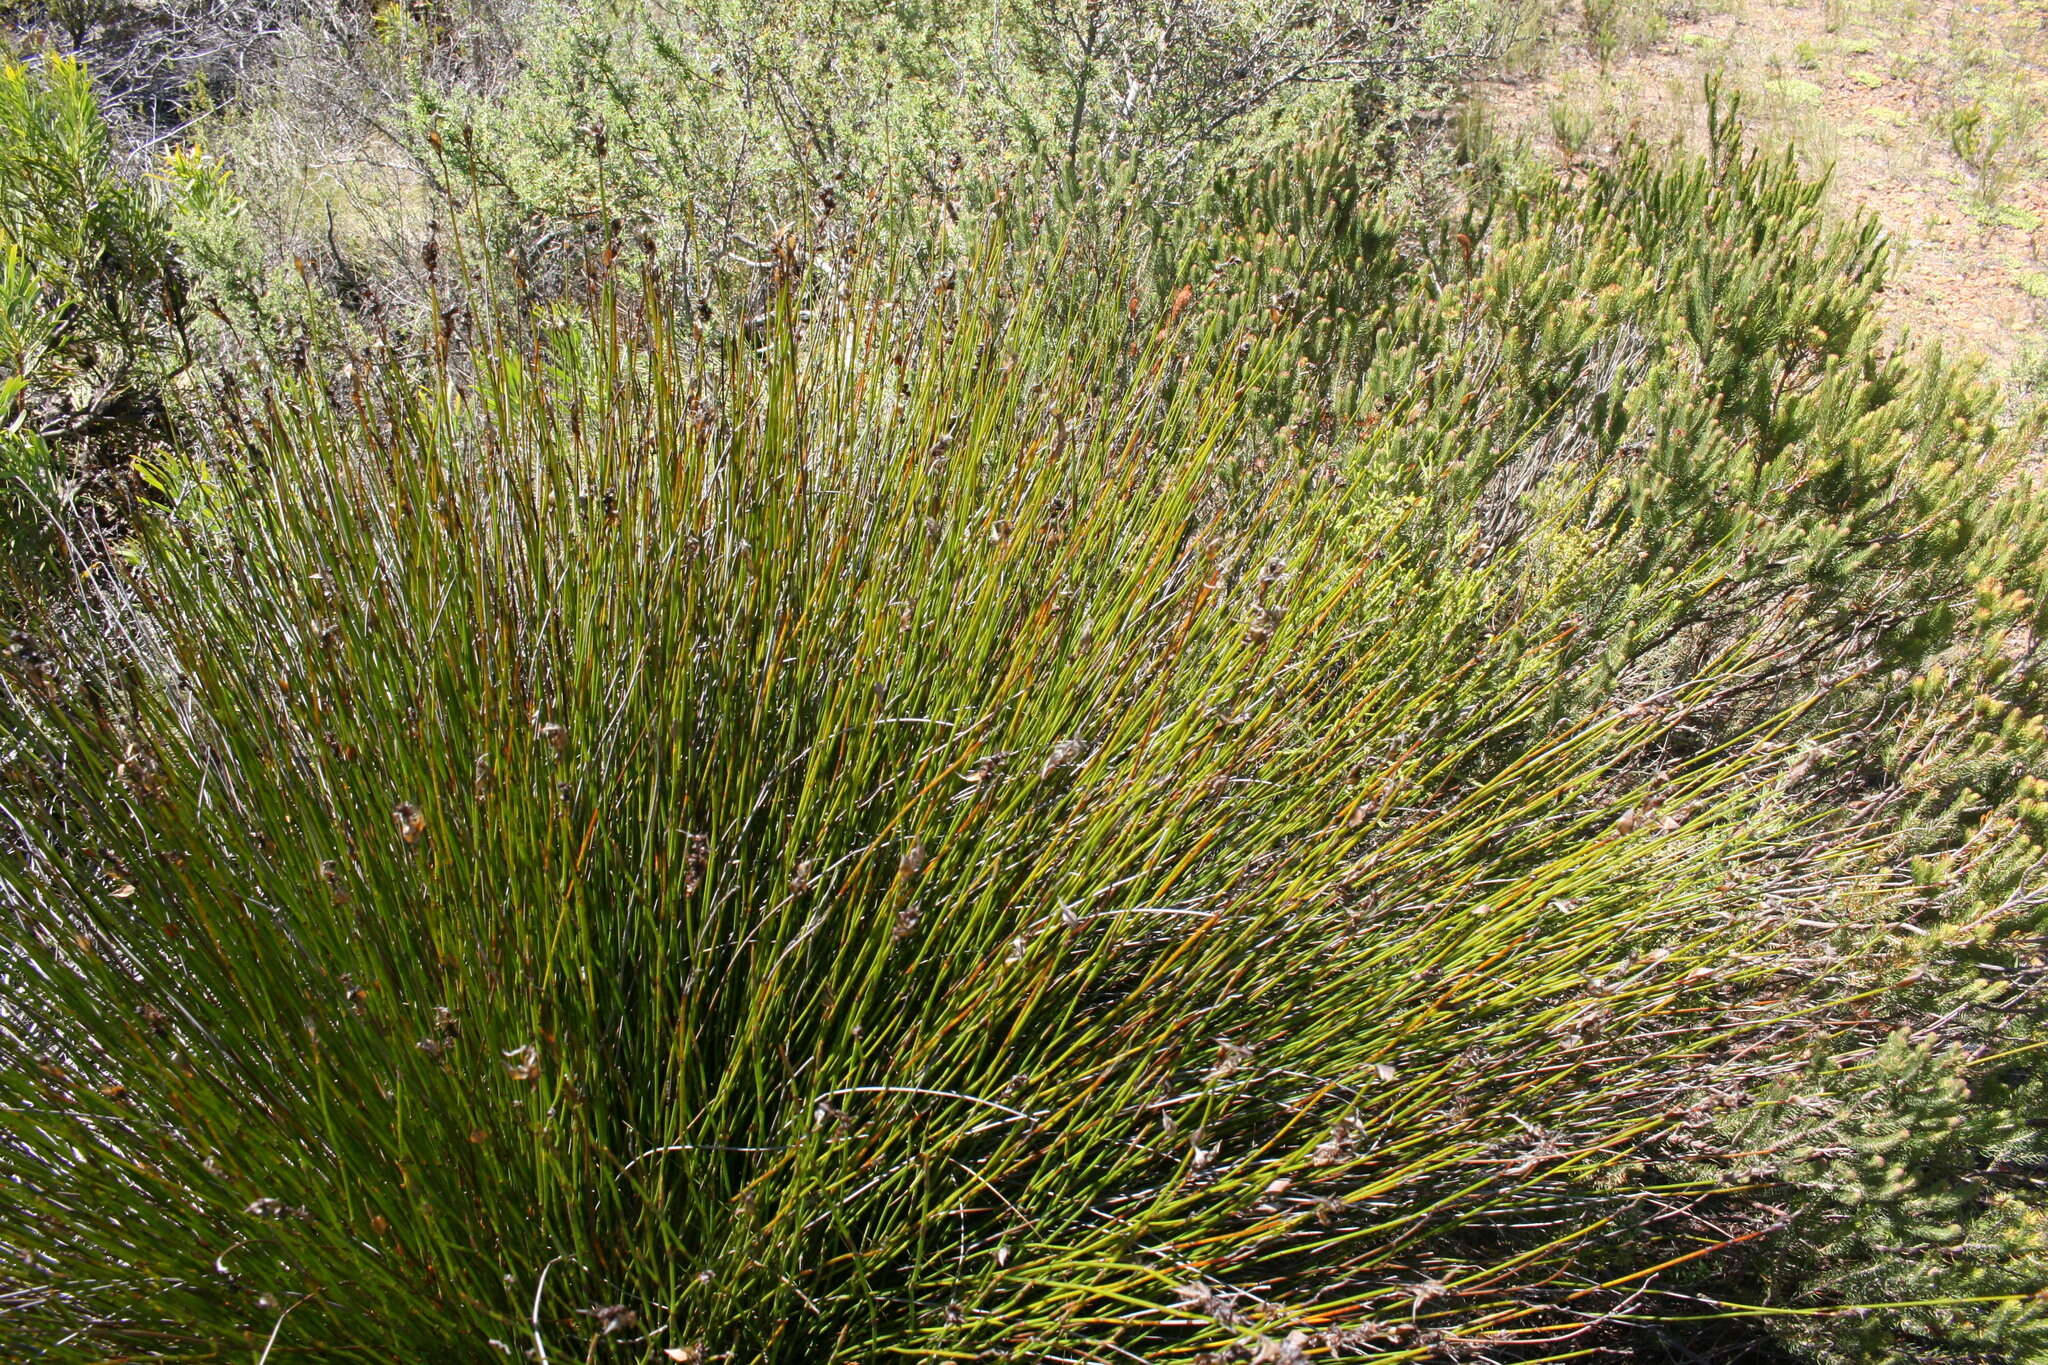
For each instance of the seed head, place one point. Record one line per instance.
(1231, 1059)
(1064, 754)
(615, 1317)
(696, 858)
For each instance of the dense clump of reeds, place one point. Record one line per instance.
(922, 832)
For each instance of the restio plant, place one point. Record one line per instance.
(929, 837)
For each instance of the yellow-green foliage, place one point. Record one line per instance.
(1658, 391)
(1684, 353)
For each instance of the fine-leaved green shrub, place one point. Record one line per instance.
(91, 326)
(103, 334)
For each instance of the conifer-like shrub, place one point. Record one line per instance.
(1684, 350)
(89, 332)
(1659, 389)
(928, 836)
